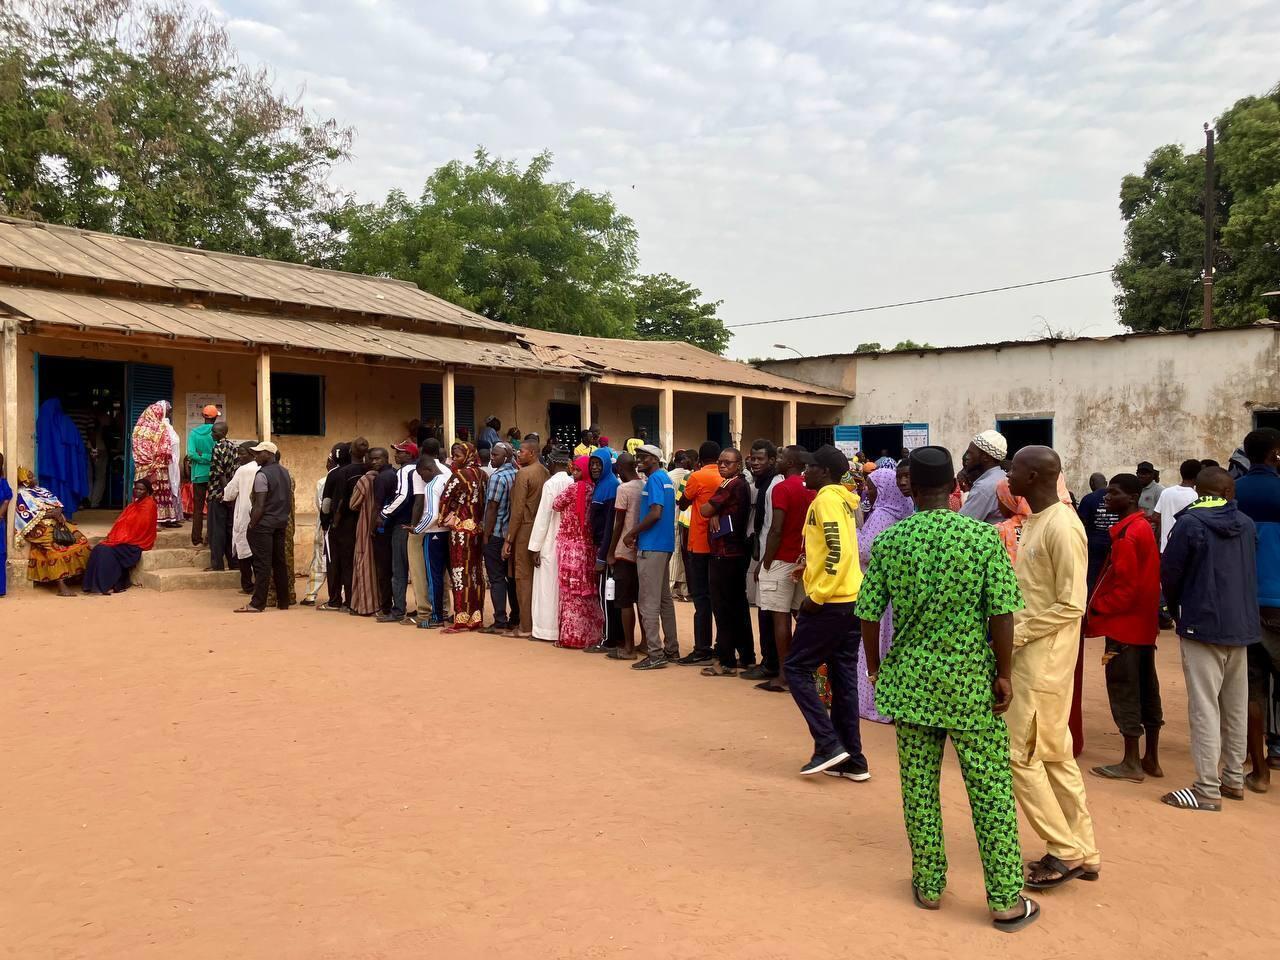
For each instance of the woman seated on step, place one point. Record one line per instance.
(133, 533)
(56, 549)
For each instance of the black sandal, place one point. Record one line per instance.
(1030, 914)
(1050, 862)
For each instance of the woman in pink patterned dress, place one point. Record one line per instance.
(581, 620)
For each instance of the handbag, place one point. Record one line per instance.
(62, 536)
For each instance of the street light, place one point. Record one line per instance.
(783, 346)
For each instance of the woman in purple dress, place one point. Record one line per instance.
(889, 491)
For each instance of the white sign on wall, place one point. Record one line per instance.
(196, 402)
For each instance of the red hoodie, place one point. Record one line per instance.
(1126, 603)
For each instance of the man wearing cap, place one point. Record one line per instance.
(489, 435)
(268, 518)
(1149, 498)
(948, 676)
(200, 444)
(982, 461)
(654, 540)
(397, 525)
(1052, 563)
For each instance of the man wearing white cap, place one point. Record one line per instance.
(272, 500)
(982, 461)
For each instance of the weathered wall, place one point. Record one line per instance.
(761, 419)
(1113, 402)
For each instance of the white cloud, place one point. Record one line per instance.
(802, 157)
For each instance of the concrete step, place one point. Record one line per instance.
(174, 558)
(187, 578)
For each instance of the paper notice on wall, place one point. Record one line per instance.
(196, 402)
(915, 435)
(848, 440)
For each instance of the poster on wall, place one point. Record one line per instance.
(915, 435)
(196, 402)
(848, 440)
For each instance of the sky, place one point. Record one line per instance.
(800, 157)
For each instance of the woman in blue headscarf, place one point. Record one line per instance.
(62, 464)
(601, 522)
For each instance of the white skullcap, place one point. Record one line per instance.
(993, 443)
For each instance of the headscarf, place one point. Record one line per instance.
(886, 462)
(152, 442)
(582, 486)
(32, 504)
(607, 485)
(891, 506)
(1010, 530)
(136, 525)
(341, 454)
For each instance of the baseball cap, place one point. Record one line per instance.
(266, 446)
(1145, 466)
(650, 449)
(210, 410)
(408, 447)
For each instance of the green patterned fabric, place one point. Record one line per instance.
(984, 765)
(945, 574)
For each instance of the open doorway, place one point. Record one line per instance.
(1032, 432)
(1266, 419)
(718, 429)
(564, 420)
(882, 440)
(92, 394)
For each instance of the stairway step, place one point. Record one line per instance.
(174, 558)
(188, 578)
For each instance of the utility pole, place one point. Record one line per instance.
(1209, 205)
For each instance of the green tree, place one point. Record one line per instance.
(912, 345)
(508, 243)
(669, 309)
(872, 346)
(1159, 274)
(137, 118)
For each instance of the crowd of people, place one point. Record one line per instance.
(951, 603)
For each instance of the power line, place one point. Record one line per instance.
(912, 303)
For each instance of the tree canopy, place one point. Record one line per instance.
(136, 118)
(517, 246)
(873, 346)
(1158, 275)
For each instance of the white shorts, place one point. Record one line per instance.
(777, 591)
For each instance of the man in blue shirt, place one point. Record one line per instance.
(497, 514)
(654, 538)
(1258, 498)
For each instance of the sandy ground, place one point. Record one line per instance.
(180, 782)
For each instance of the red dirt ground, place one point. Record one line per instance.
(184, 783)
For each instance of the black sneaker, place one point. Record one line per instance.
(849, 771)
(648, 663)
(386, 618)
(758, 672)
(819, 763)
(695, 658)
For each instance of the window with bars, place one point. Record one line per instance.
(297, 404)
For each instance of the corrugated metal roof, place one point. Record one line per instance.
(68, 252)
(250, 329)
(663, 359)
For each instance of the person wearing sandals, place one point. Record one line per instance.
(726, 514)
(947, 676)
(1210, 582)
(826, 627)
(622, 556)
(1051, 567)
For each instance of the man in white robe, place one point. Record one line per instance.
(240, 492)
(542, 544)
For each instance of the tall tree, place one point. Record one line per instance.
(1164, 237)
(507, 242)
(670, 309)
(137, 118)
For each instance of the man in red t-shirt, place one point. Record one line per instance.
(780, 592)
(1125, 608)
(699, 488)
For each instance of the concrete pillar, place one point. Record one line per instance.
(735, 420)
(584, 403)
(9, 374)
(666, 422)
(264, 394)
(788, 423)
(449, 411)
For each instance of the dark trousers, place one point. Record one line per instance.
(697, 571)
(246, 574)
(399, 570)
(342, 561)
(199, 492)
(728, 582)
(502, 586)
(612, 613)
(768, 645)
(832, 635)
(382, 570)
(221, 554)
(1133, 688)
(268, 563)
(437, 547)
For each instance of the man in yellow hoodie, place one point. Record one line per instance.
(827, 627)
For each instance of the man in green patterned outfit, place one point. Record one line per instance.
(951, 585)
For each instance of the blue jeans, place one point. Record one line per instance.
(399, 570)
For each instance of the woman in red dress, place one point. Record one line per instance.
(581, 620)
(462, 513)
